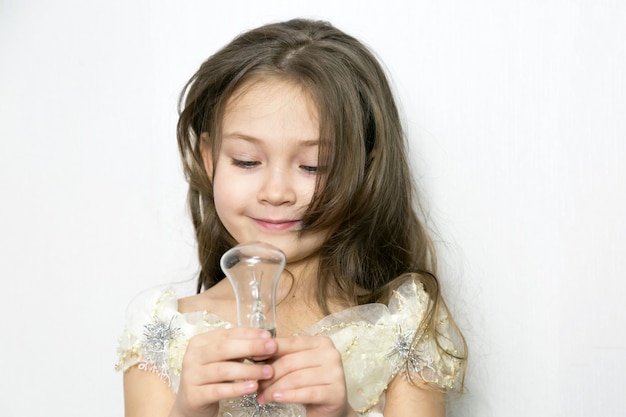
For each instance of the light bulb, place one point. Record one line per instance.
(253, 270)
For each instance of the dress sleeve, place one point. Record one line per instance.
(378, 342)
(432, 356)
(156, 334)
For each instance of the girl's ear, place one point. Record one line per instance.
(207, 154)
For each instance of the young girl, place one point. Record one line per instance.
(290, 135)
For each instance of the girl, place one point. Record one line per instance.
(290, 135)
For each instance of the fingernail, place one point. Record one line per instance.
(266, 335)
(267, 371)
(260, 398)
(277, 396)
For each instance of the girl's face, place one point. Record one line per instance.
(266, 169)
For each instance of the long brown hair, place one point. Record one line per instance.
(365, 195)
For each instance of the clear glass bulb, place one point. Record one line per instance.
(253, 270)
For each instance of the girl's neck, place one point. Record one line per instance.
(299, 280)
(297, 306)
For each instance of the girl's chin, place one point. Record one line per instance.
(295, 247)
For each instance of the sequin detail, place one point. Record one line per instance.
(409, 357)
(402, 344)
(157, 337)
(247, 406)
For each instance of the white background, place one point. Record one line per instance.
(516, 112)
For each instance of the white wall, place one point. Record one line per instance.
(516, 112)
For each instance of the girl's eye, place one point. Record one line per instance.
(309, 169)
(245, 164)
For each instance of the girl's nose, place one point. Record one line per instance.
(277, 188)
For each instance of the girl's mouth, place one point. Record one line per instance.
(278, 225)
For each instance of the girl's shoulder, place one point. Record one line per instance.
(380, 341)
(159, 323)
(217, 300)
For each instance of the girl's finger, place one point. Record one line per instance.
(219, 372)
(198, 397)
(308, 352)
(224, 347)
(235, 333)
(308, 395)
(287, 345)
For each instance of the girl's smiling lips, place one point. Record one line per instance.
(279, 224)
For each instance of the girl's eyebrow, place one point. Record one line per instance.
(241, 136)
(254, 140)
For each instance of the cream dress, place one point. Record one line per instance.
(375, 341)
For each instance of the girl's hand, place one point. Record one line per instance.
(212, 369)
(308, 370)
